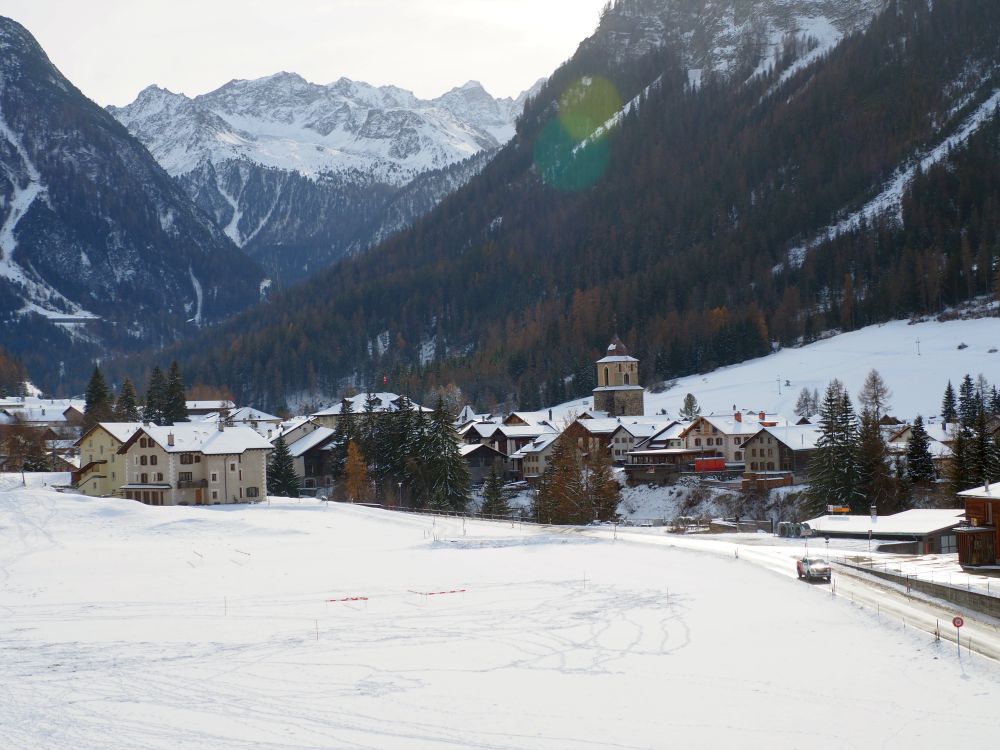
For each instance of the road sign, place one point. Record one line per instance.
(958, 622)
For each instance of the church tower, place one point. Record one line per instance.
(618, 391)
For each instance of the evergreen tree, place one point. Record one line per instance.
(979, 451)
(369, 429)
(345, 431)
(494, 496)
(958, 467)
(833, 468)
(603, 491)
(156, 396)
(447, 472)
(690, 408)
(875, 395)
(174, 400)
(418, 447)
(357, 483)
(994, 402)
(949, 407)
(919, 463)
(281, 477)
(396, 438)
(875, 480)
(968, 403)
(98, 401)
(127, 406)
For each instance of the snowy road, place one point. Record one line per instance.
(126, 626)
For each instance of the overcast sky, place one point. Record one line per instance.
(112, 49)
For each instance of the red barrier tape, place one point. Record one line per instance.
(437, 593)
(350, 599)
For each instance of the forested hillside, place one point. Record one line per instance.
(687, 220)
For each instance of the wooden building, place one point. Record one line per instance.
(979, 536)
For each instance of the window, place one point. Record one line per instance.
(152, 460)
(142, 460)
(184, 476)
(187, 458)
(739, 456)
(232, 467)
(215, 478)
(142, 442)
(215, 495)
(102, 450)
(697, 441)
(605, 376)
(197, 458)
(253, 492)
(159, 476)
(626, 378)
(144, 478)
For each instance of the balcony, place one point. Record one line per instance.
(192, 484)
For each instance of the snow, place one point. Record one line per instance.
(889, 200)
(914, 521)
(124, 625)
(917, 380)
(198, 296)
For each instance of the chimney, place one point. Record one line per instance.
(222, 426)
(761, 416)
(738, 417)
(550, 414)
(170, 438)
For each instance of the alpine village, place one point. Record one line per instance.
(727, 280)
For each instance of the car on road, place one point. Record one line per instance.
(813, 568)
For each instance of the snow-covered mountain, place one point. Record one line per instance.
(723, 36)
(299, 173)
(91, 227)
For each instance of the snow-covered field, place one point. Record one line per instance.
(125, 626)
(917, 380)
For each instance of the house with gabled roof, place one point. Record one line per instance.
(102, 468)
(382, 403)
(530, 461)
(779, 455)
(193, 463)
(660, 458)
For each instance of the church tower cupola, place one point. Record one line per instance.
(618, 392)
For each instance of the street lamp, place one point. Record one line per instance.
(399, 495)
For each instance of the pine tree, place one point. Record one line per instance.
(156, 396)
(561, 496)
(174, 400)
(448, 474)
(875, 480)
(875, 395)
(418, 446)
(345, 431)
(281, 477)
(968, 403)
(98, 401)
(980, 450)
(494, 497)
(949, 408)
(127, 407)
(690, 408)
(958, 467)
(833, 468)
(919, 463)
(357, 483)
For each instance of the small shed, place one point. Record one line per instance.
(921, 531)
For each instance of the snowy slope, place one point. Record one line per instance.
(285, 122)
(917, 381)
(131, 626)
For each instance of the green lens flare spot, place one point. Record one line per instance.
(567, 164)
(587, 105)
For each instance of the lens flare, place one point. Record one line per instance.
(571, 152)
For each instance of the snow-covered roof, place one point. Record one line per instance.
(616, 358)
(796, 436)
(908, 523)
(249, 414)
(465, 450)
(310, 440)
(217, 405)
(619, 388)
(989, 492)
(384, 401)
(537, 445)
(644, 429)
(120, 431)
(37, 414)
(194, 437)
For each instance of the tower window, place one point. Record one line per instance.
(626, 378)
(606, 376)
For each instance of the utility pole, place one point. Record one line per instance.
(778, 379)
(918, 346)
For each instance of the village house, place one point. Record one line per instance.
(898, 444)
(660, 458)
(480, 459)
(195, 464)
(310, 457)
(979, 536)
(102, 468)
(778, 455)
(530, 461)
(633, 430)
(204, 408)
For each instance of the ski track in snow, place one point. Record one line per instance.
(890, 199)
(219, 634)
